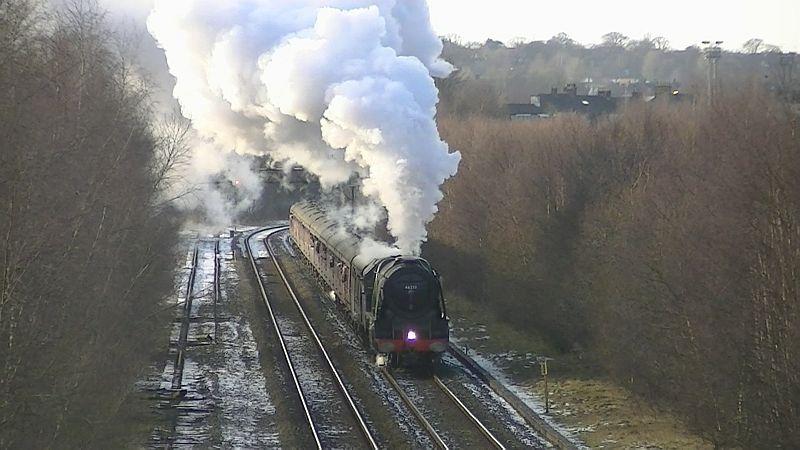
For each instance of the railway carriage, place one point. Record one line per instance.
(395, 302)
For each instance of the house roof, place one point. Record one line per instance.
(523, 109)
(592, 105)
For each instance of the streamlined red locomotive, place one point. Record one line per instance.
(395, 302)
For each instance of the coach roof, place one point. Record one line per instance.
(342, 244)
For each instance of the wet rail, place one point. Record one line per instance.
(175, 394)
(217, 284)
(470, 416)
(183, 337)
(536, 421)
(426, 424)
(291, 360)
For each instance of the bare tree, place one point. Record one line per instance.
(563, 40)
(661, 43)
(664, 239)
(615, 39)
(753, 46)
(172, 151)
(81, 249)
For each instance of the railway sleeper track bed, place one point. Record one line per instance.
(492, 421)
(333, 420)
(437, 408)
(182, 401)
(222, 400)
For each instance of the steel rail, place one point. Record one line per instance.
(183, 337)
(362, 424)
(536, 421)
(217, 288)
(475, 421)
(415, 411)
(279, 335)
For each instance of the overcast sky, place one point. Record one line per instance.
(682, 22)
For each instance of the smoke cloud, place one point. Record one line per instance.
(340, 87)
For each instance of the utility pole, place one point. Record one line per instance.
(543, 370)
(354, 188)
(353, 199)
(787, 69)
(713, 53)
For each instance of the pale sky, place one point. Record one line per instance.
(682, 22)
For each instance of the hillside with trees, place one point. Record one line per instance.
(86, 243)
(491, 74)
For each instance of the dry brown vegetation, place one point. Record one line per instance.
(85, 254)
(664, 241)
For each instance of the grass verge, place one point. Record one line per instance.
(601, 413)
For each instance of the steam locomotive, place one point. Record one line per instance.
(395, 302)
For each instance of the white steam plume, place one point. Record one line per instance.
(337, 86)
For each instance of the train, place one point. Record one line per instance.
(395, 303)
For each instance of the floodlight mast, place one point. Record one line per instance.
(713, 53)
(787, 62)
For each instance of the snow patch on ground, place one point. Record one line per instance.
(525, 393)
(226, 403)
(498, 406)
(287, 244)
(240, 392)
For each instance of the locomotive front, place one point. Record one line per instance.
(410, 314)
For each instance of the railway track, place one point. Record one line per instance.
(181, 404)
(324, 400)
(469, 415)
(437, 408)
(217, 272)
(448, 428)
(436, 435)
(533, 419)
(183, 337)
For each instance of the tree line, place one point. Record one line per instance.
(664, 241)
(511, 74)
(86, 238)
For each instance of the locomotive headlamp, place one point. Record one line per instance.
(412, 335)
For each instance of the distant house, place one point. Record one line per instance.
(668, 93)
(569, 101)
(549, 105)
(599, 104)
(523, 111)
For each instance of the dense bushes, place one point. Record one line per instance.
(666, 240)
(85, 257)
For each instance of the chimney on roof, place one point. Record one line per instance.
(571, 89)
(554, 91)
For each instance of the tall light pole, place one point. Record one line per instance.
(713, 53)
(787, 67)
